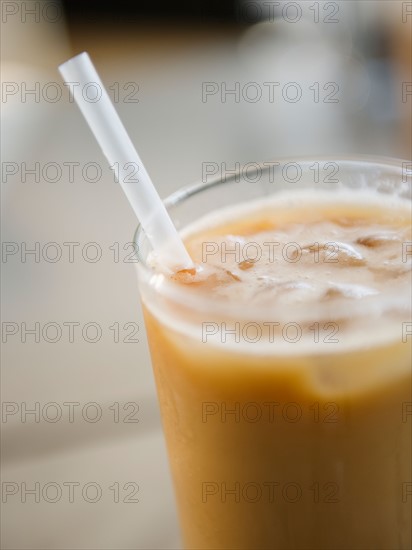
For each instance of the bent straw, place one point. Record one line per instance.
(100, 114)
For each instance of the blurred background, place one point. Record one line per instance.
(216, 84)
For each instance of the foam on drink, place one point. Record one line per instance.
(315, 256)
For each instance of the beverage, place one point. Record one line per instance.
(283, 368)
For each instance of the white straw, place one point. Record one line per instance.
(91, 97)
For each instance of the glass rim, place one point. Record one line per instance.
(170, 290)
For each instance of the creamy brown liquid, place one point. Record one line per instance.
(308, 449)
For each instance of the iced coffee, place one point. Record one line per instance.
(283, 369)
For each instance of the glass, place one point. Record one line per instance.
(293, 443)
